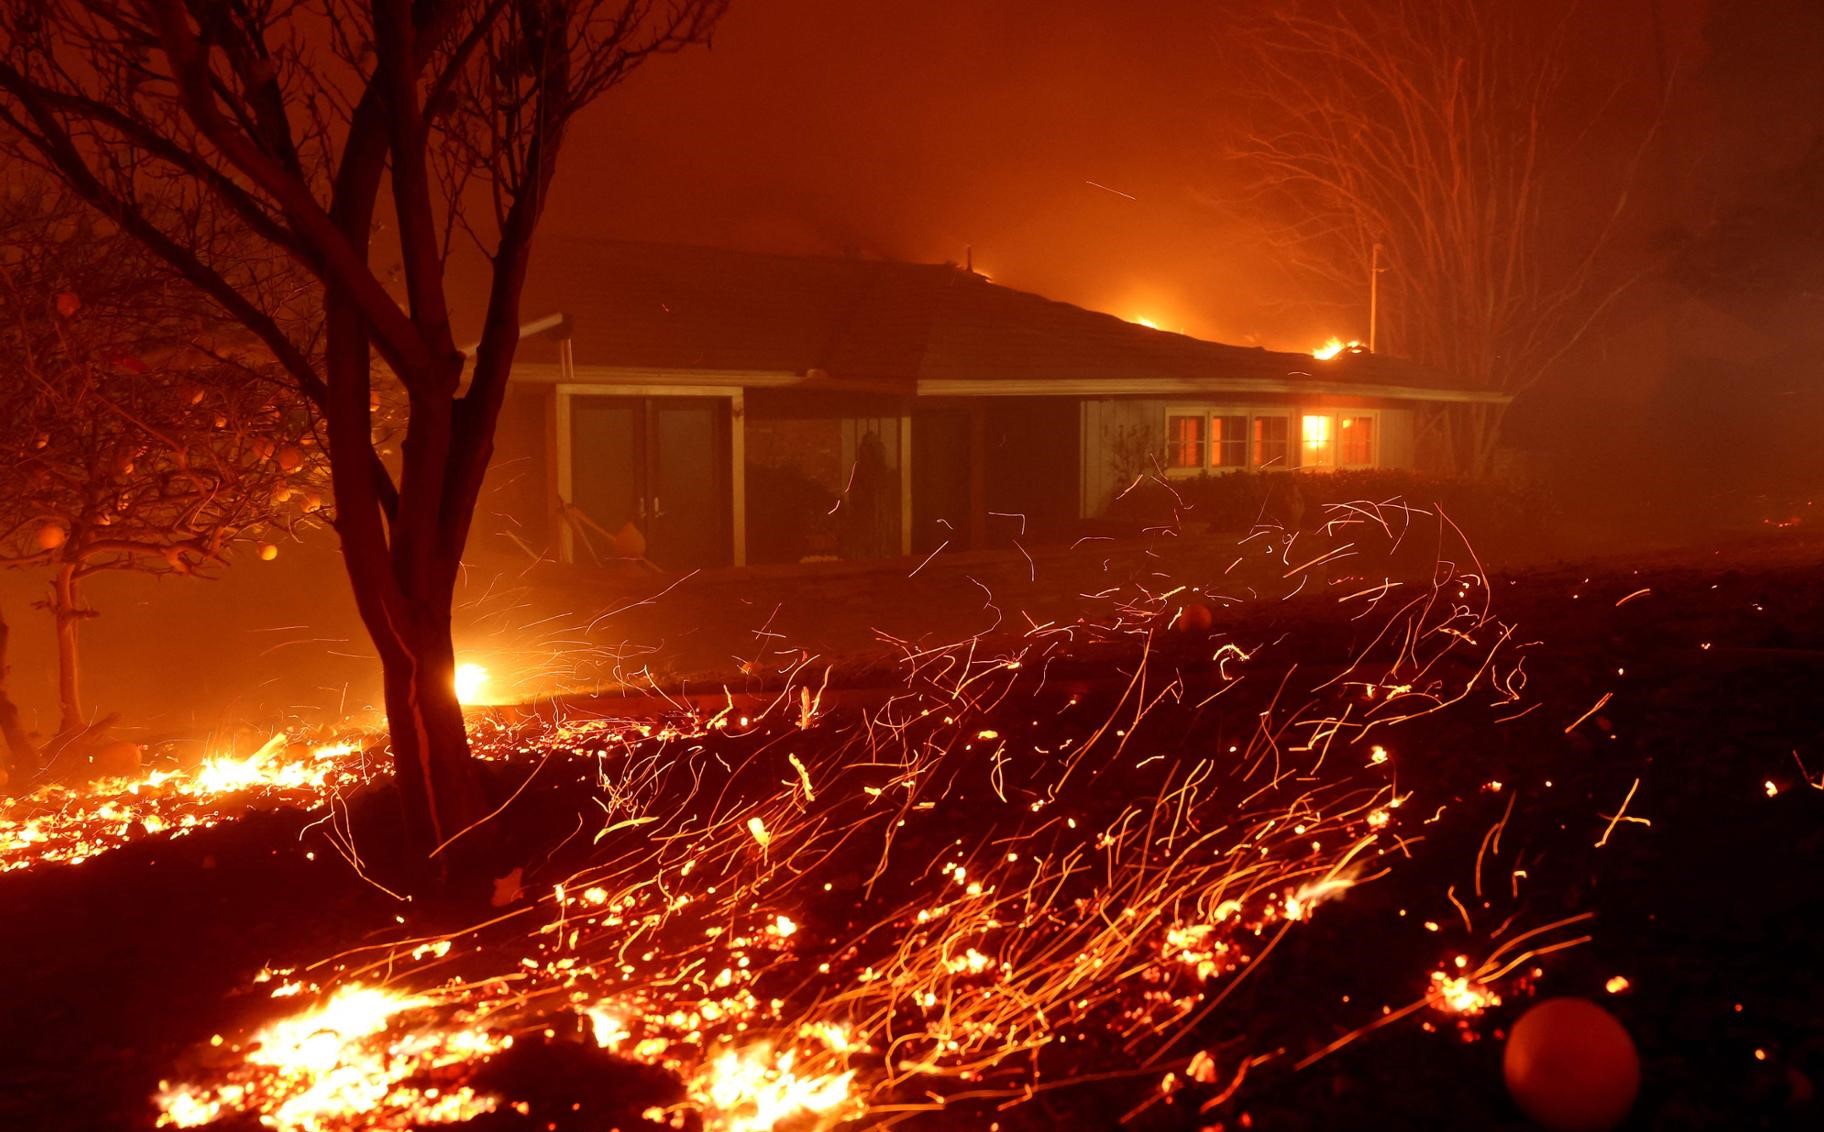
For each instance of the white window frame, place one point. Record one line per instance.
(1212, 447)
(1374, 442)
(1336, 437)
(1187, 411)
(1294, 441)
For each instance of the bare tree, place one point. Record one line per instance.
(1439, 140)
(21, 751)
(306, 125)
(134, 435)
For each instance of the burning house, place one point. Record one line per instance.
(705, 408)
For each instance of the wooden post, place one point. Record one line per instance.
(737, 473)
(563, 474)
(905, 482)
(978, 475)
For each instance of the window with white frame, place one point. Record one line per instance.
(1317, 441)
(1355, 441)
(1218, 439)
(1336, 440)
(1271, 446)
(1186, 443)
(1231, 440)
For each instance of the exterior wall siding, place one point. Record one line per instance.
(1116, 434)
(1397, 449)
(1110, 430)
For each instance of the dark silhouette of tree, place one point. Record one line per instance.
(1767, 247)
(136, 431)
(1438, 132)
(21, 751)
(309, 128)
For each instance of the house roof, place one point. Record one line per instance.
(740, 318)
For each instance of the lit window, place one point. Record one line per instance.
(1231, 439)
(1355, 446)
(1270, 442)
(1184, 439)
(1319, 440)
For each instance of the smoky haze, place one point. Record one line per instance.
(1067, 145)
(1076, 149)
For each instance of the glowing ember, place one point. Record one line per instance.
(1460, 994)
(337, 1064)
(228, 776)
(72, 824)
(755, 1091)
(1334, 347)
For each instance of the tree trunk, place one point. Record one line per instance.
(22, 753)
(66, 614)
(438, 784)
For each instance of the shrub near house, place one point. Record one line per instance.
(1488, 511)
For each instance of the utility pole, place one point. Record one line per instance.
(1374, 293)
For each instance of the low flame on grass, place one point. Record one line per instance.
(758, 1090)
(340, 1064)
(70, 824)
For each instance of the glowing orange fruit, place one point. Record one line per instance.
(268, 552)
(1571, 1066)
(51, 536)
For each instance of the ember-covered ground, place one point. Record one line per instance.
(1703, 889)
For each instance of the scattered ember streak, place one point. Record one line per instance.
(813, 907)
(1622, 815)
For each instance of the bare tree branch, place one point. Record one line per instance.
(1441, 132)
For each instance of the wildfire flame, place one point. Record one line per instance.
(756, 1090)
(470, 679)
(330, 1065)
(1334, 347)
(71, 824)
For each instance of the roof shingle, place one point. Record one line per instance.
(674, 307)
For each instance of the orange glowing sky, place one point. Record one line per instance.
(1074, 148)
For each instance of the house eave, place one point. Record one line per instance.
(552, 373)
(1200, 387)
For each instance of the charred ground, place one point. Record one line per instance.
(121, 968)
